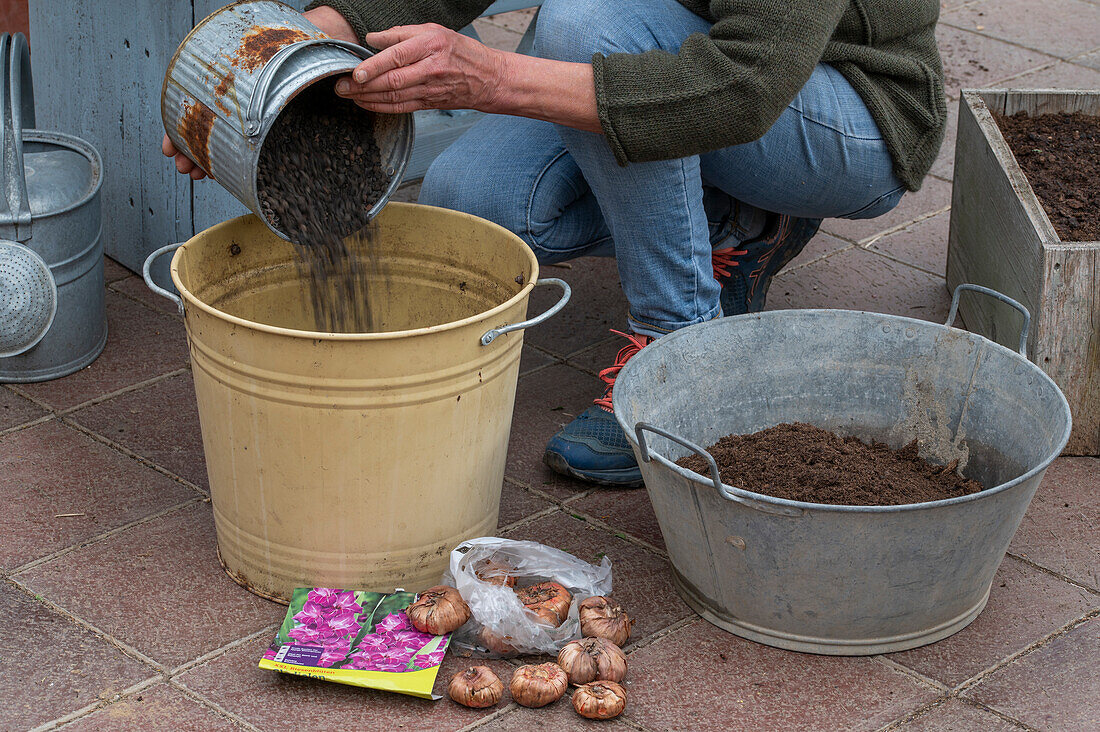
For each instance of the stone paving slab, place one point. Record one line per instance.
(160, 423)
(944, 167)
(597, 305)
(972, 60)
(1025, 605)
(702, 678)
(135, 288)
(113, 271)
(545, 401)
(1063, 28)
(1059, 531)
(51, 666)
(923, 244)
(158, 588)
(15, 410)
(1091, 60)
(518, 503)
(1062, 75)
(141, 344)
(156, 709)
(628, 509)
(857, 279)
(934, 196)
(62, 487)
(1055, 687)
(957, 716)
(516, 21)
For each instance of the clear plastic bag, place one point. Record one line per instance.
(497, 609)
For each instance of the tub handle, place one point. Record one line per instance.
(566, 292)
(146, 272)
(252, 118)
(715, 476)
(1003, 298)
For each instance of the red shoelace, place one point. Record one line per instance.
(723, 259)
(608, 375)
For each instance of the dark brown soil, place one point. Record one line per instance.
(318, 176)
(801, 462)
(1060, 155)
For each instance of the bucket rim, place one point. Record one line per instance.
(190, 34)
(327, 71)
(190, 298)
(802, 506)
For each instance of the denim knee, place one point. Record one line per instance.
(452, 182)
(573, 30)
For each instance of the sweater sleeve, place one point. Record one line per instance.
(367, 16)
(724, 88)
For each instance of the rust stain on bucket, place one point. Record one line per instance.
(194, 127)
(224, 87)
(259, 45)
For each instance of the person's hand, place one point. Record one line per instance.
(184, 164)
(425, 67)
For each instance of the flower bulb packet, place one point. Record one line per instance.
(356, 638)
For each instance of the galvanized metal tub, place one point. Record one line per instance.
(237, 70)
(356, 459)
(841, 580)
(51, 183)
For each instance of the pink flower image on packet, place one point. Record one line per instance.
(357, 638)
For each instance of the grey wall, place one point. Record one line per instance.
(98, 69)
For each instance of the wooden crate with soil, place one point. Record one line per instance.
(1026, 225)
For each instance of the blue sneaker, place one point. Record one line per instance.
(593, 447)
(746, 273)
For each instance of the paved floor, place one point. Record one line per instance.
(116, 615)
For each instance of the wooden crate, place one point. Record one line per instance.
(1000, 237)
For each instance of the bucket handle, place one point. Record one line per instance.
(146, 272)
(715, 476)
(253, 123)
(16, 114)
(567, 291)
(1003, 298)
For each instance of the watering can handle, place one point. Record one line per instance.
(1003, 298)
(492, 335)
(16, 114)
(253, 123)
(146, 272)
(715, 476)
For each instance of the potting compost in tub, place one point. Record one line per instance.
(844, 580)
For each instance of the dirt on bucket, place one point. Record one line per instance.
(800, 462)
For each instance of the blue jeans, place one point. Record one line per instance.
(561, 190)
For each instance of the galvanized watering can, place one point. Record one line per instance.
(52, 315)
(841, 580)
(233, 75)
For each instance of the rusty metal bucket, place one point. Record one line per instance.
(233, 75)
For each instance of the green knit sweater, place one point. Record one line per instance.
(728, 87)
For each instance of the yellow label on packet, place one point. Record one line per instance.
(414, 683)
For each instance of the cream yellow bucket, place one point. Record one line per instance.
(355, 460)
